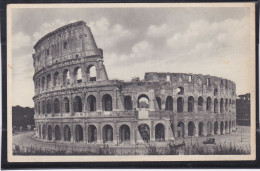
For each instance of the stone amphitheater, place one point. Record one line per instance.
(76, 102)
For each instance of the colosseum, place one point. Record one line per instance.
(76, 102)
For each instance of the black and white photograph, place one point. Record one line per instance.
(131, 82)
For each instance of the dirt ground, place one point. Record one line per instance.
(240, 139)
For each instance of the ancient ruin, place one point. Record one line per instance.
(76, 102)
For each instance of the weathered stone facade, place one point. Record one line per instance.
(71, 105)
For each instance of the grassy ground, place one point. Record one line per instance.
(235, 143)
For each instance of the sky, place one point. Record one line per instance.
(209, 41)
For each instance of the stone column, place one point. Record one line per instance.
(53, 132)
(196, 129)
(195, 105)
(115, 134)
(62, 131)
(151, 100)
(218, 132)
(205, 129)
(85, 132)
(167, 130)
(133, 130)
(72, 132)
(99, 134)
(71, 106)
(224, 128)
(227, 130)
(152, 132)
(99, 102)
(185, 129)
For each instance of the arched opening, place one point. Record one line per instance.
(173, 129)
(159, 132)
(77, 75)
(180, 130)
(124, 131)
(209, 128)
(91, 100)
(49, 133)
(66, 77)
(56, 106)
(66, 102)
(107, 133)
(208, 107)
(48, 106)
(230, 126)
(107, 103)
(226, 105)
(221, 105)
(226, 126)
(215, 92)
(143, 101)
(180, 102)
(92, 133)
(222, 127)
(43, 132)
(56, 79)
(169, 103)
(215, 105)
(180, 90)
(128, 103)
(158, 100)
(144, 131)
(49, 81)
(216, 128)
(200, 103)
(79, 133)
(91, 73)
(43, 107)
(57, 133)
(201, 129)
(77, 104)
(67, 133)
(43, 83)
(191, 128)
(190, 104)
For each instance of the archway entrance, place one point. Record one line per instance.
(209, 128)
(79, 133)
(144, 131)
(43, 132)
(124, 132)
(67, 133)
(222, 127)
(57, 133)
(191, 129)
(49, 133)
(159, 132)
(107, 133)
(216, 128)
(92, 133)
(201, 129)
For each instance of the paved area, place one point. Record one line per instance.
(241, 138)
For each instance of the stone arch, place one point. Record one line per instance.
(91, 73)
(215, 105)
(57, 133)
(49, 104)
(49, 132)
(107, 133)
(66, 77)
(209, 128)
(216, 127)
(43, 83)
(77, 104)
(56, 106)
(191, 128)
(180, 102)
(159, 132)
(92, 133)
(208, 107)
(200, 103)
(128, 103)
(190, 104)
(144, 131)
(180, 90)
(66, 105)
(67, 133)
(201, 125)
(49, 81)
(221, 105)
(77, 75)
(78, 133)
(91, 103)
(124, 132)
(222, 127)
(43, 131)
(107, 103)
(169, 103)
(142, 101)
(159, 103)
(180, 130)
(56, 79)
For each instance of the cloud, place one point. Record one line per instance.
(158, 31)
(47, 27)
(108, 36)
(20, 40)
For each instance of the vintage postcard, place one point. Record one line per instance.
(131, 82)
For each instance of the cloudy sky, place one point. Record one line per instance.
(214, 41)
